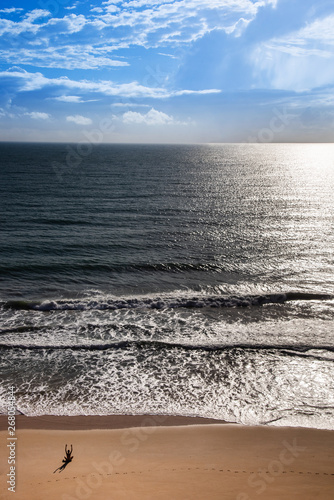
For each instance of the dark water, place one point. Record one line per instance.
(193, 280)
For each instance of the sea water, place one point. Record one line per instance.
(164, 279)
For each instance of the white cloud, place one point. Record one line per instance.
(152, 117)
(68, 98)
(239, 27)
(33, 81)
(189, 92)
(70, 24)
(73, 6)
(112, 8)
(315, 38)
(167, 55)
(61, 42)
(72, 98)
(11, 10)
(320, 98)
(49, 29)
(79, 120)
(301, 60)
(31, 16)
(129, 105)
(154, 22)
(321, 30)
(27, 25)
(36, 115)
(108, 2)
(68, 57)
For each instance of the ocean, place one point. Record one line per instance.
(165, 279)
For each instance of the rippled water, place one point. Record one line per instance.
(192, 280)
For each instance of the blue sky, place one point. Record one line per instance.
(167, 71)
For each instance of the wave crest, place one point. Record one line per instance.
(166, 302)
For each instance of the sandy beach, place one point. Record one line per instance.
(150, 457)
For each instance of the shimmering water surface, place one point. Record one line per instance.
(192, 280)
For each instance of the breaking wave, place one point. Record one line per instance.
(163, 302)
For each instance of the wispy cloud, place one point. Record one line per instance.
(75, 99)
(154, 23)
(11, 10)
(68, 98)
(67, 57)
(167, 55)
(41, 40)
(129, 105)
(219, 63)
(72, 7)
(97, 9)
(36, 115)
(301, 60)
(32, 81)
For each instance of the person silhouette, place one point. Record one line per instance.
(66, 460)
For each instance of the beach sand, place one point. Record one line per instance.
(166, 458)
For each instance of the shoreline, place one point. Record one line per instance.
(87, 422)
(125, 421)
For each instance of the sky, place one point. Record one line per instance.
(172, 71)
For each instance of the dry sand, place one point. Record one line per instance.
(164, 458)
